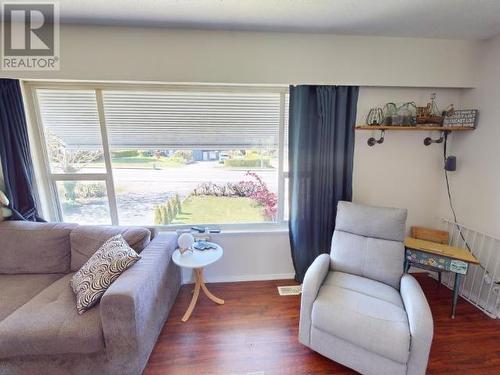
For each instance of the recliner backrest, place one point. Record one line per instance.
(368, 242)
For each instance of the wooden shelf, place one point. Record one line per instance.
(424, 127)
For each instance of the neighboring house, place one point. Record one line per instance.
(205, 155)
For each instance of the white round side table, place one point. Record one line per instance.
(196, 260)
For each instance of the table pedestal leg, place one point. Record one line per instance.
(196, 293)
(456, 288)
(199, 284)
(205, 289)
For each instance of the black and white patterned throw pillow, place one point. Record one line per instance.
(99, 272)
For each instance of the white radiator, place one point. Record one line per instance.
(479, 286)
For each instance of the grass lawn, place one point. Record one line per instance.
(141, 162)
(218, 210)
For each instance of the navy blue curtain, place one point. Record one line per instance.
(321, 150)
(15, 152)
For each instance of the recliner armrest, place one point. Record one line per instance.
(421, 324)
(314, 278)
(135, 306)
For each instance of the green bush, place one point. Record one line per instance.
(158, 216)
(91, 190)
(165, 219)
(173, 204)
(125, 154)
(70, 190)
(165, 213)
(178, 204)
(170, 212)
(247, 163)
(182, 156)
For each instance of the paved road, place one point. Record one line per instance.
(184, 179)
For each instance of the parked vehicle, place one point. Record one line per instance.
(223, 155)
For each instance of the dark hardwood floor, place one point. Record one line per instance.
(255, 333)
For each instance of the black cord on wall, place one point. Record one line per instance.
(450, 200)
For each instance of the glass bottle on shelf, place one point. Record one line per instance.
(390, 114)
(406, 114)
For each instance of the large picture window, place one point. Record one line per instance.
(164, 155)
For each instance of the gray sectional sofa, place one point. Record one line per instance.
(40, 329)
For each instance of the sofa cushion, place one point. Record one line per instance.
(98, 273)
(364, 312)
(16, 290)
(86, 239)
(29, 247)
(50, 324)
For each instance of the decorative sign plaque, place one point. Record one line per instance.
(466, 118)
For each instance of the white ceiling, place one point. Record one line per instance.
(455, 19)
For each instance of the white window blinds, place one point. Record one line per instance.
(197, 120)
(71, 116)
(163, 119)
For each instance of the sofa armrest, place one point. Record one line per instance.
(313, 280)
(135, 307)
(421, 324)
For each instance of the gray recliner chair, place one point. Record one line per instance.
(357, 307)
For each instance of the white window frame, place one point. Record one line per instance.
(46, 180)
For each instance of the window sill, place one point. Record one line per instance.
(234, 230)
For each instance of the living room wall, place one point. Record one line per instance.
(476, 183)
(401, 172)
(163, 55)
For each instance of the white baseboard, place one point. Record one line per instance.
(238, 278)
(260, 277)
